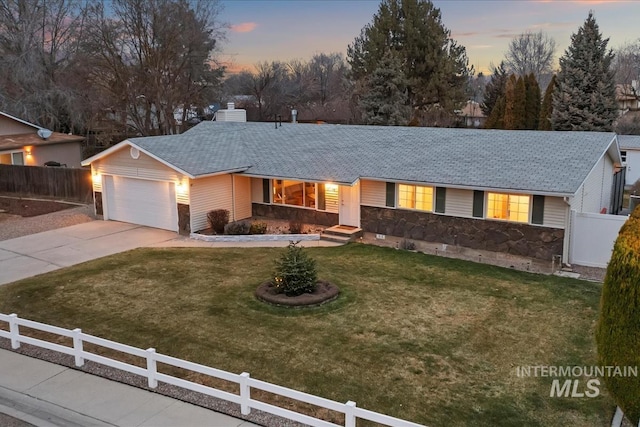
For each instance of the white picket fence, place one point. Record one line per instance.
(246, 383)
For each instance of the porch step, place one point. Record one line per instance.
(337, 239)
(341, 233)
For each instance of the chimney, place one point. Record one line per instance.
(294, 116)
(231, 105)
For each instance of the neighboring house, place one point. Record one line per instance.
(473, 115)
(628, 97)
(630, 154)
(23, 143)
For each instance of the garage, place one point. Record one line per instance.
(141, 201)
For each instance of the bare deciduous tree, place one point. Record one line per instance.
(626, 63)
(531, 53)
(38, 39)
(317, 88)
(150, 59)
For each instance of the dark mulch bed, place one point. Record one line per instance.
(27, 208)
(324, 293)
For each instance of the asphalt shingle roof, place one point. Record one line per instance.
(531, 161)
(629, 142)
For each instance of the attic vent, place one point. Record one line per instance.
(44, 133)
(135, 153)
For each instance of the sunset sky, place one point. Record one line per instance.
(263, 30)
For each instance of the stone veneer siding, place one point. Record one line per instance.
(184, 219)
(306, 216)
(98, 202)
(497, 236)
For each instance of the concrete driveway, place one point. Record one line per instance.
(43, 252)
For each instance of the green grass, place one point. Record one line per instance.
(429, 339)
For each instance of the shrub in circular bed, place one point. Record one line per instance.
(295, 272)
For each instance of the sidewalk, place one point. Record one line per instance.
(44, 394)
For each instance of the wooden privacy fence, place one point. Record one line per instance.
(244, 381)
(61, 183)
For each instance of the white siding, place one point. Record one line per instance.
(555, 212)
(242, 190)
(121, 163)
(373, 193)
(595, 192)
(182, 191)
(633, 167)
(96, 179)
(459, 202)
(331, 201)
(207, 194)
(256, 190)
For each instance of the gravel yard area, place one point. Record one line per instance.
(14, 225)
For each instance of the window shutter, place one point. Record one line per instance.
(537, 210)
(478, 204)
(266, 190)
(441, 194)
(391, 195)
(322, 201)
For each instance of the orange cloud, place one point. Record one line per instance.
(244, 27)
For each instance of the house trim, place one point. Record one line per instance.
(467, 187)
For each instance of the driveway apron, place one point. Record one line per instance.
(43, 252)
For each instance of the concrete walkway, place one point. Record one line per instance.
(45, 394)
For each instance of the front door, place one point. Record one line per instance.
(350, 205)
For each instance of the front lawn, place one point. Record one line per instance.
(429, 339)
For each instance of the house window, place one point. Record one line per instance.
(15, 158)
(294, 193)
(510, 207)
(415, 197)
(623, 156)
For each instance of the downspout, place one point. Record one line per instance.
(566, 244)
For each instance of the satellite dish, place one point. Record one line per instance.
(44, 133)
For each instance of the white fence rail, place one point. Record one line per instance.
(244, 381)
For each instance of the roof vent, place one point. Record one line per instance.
(231, 105)
(44, 133)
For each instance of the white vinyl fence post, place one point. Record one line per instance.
(245, 393)
(349, 414)
(77, 346)
(617, 418)
(14, 331)
(152, 368)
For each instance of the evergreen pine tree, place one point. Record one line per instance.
(617, 332)
(385, 100)
(295, 272)
(547, 106)
(515, 103)
(496, 118)
(585, 95)
(435, 66)
(494, 89)
(532, 102)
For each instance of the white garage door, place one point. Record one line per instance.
(141, 201)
